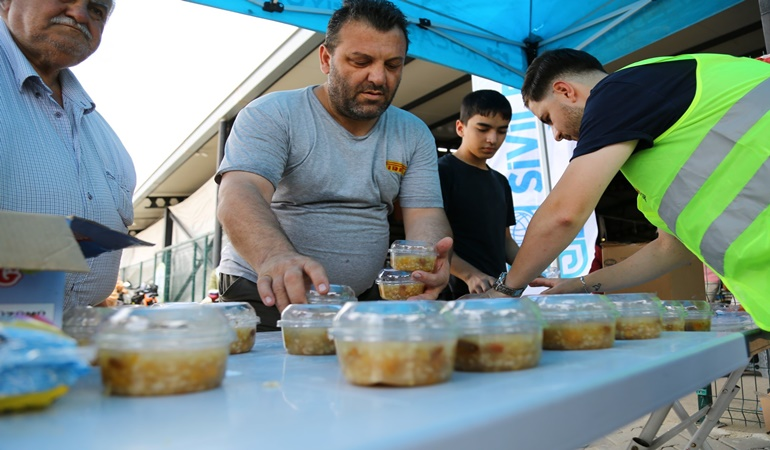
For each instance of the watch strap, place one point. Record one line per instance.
(500, 286)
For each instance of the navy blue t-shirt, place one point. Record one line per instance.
(636, 103)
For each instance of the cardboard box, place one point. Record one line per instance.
(36, 251)
(685, 283)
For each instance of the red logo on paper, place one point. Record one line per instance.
(9, 277)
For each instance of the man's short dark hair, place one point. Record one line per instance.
(485, 102)
(380, 14)
(552, 64)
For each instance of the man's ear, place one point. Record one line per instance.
(564, 89)
(325, 56)
(460, 128)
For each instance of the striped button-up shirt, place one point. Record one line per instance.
(62, 160)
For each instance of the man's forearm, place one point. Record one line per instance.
(251, 225)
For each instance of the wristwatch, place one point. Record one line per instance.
(500, 286)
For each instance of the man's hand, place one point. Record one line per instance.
(285, 279)
(436, 281)
(479, 283)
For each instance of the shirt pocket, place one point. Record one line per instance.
(122, 197)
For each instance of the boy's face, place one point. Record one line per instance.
(483, 135)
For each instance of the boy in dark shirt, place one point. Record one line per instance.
(478, 200)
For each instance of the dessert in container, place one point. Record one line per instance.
(337, 295)
(412, 255)
(673, 316)
(497, 334)
(577, 321)
(163, 350)
(398, 285)
(243, 320)
(640, 316)
(81, 322)
(305, 327)
(698, 314)
(395, 343)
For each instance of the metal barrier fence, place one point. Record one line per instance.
(746, 409)
(182, 272)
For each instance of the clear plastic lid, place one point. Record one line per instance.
(188, 326)
(306, 315)
(413, 247)
(498, 315)
(81, 322)
(415, 320)
(575, 307)
(695, 309)
(673, 309)
(239, 314)
(393, 276)
(641, 304)
(338, 294)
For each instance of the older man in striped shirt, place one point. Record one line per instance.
(57, 154)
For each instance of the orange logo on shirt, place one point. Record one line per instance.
(396, 167)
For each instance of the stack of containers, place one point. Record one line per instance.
(640, 316)
(396, 283)
(396, 343)
(497, 334)
(304, 327)
(577, 321)
(162, 351)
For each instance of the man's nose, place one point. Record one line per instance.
(557, 134)
(78, 10)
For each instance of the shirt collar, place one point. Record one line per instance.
(23, 71)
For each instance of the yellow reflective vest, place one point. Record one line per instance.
(706, 180)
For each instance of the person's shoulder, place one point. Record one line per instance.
(282, 97)
(446, 161)
(403, 116)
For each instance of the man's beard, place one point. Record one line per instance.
(574, 116)
(343, 98)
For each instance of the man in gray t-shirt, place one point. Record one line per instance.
(310, 176)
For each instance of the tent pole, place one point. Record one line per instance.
(764, 12)
(216, 251)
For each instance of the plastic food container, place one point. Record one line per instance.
(640, 316)
(243, 320)
(81, 322)
(497, 334)
(413, 255)
(163, 350)
(395, 343)
(577, 321)
(305, 328)
(699, 315)
(337, 295)
(398, 285)
(673, 316)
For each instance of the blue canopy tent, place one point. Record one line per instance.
(497, 39)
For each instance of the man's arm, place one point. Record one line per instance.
(660, 256)
(565, 210)
(476, 280)
(511, 247)
(431, 225)
(245, 214)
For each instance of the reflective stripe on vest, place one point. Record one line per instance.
(716, 145)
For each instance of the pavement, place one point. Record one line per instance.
(734, 432)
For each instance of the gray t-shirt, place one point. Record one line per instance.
(333, 190)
